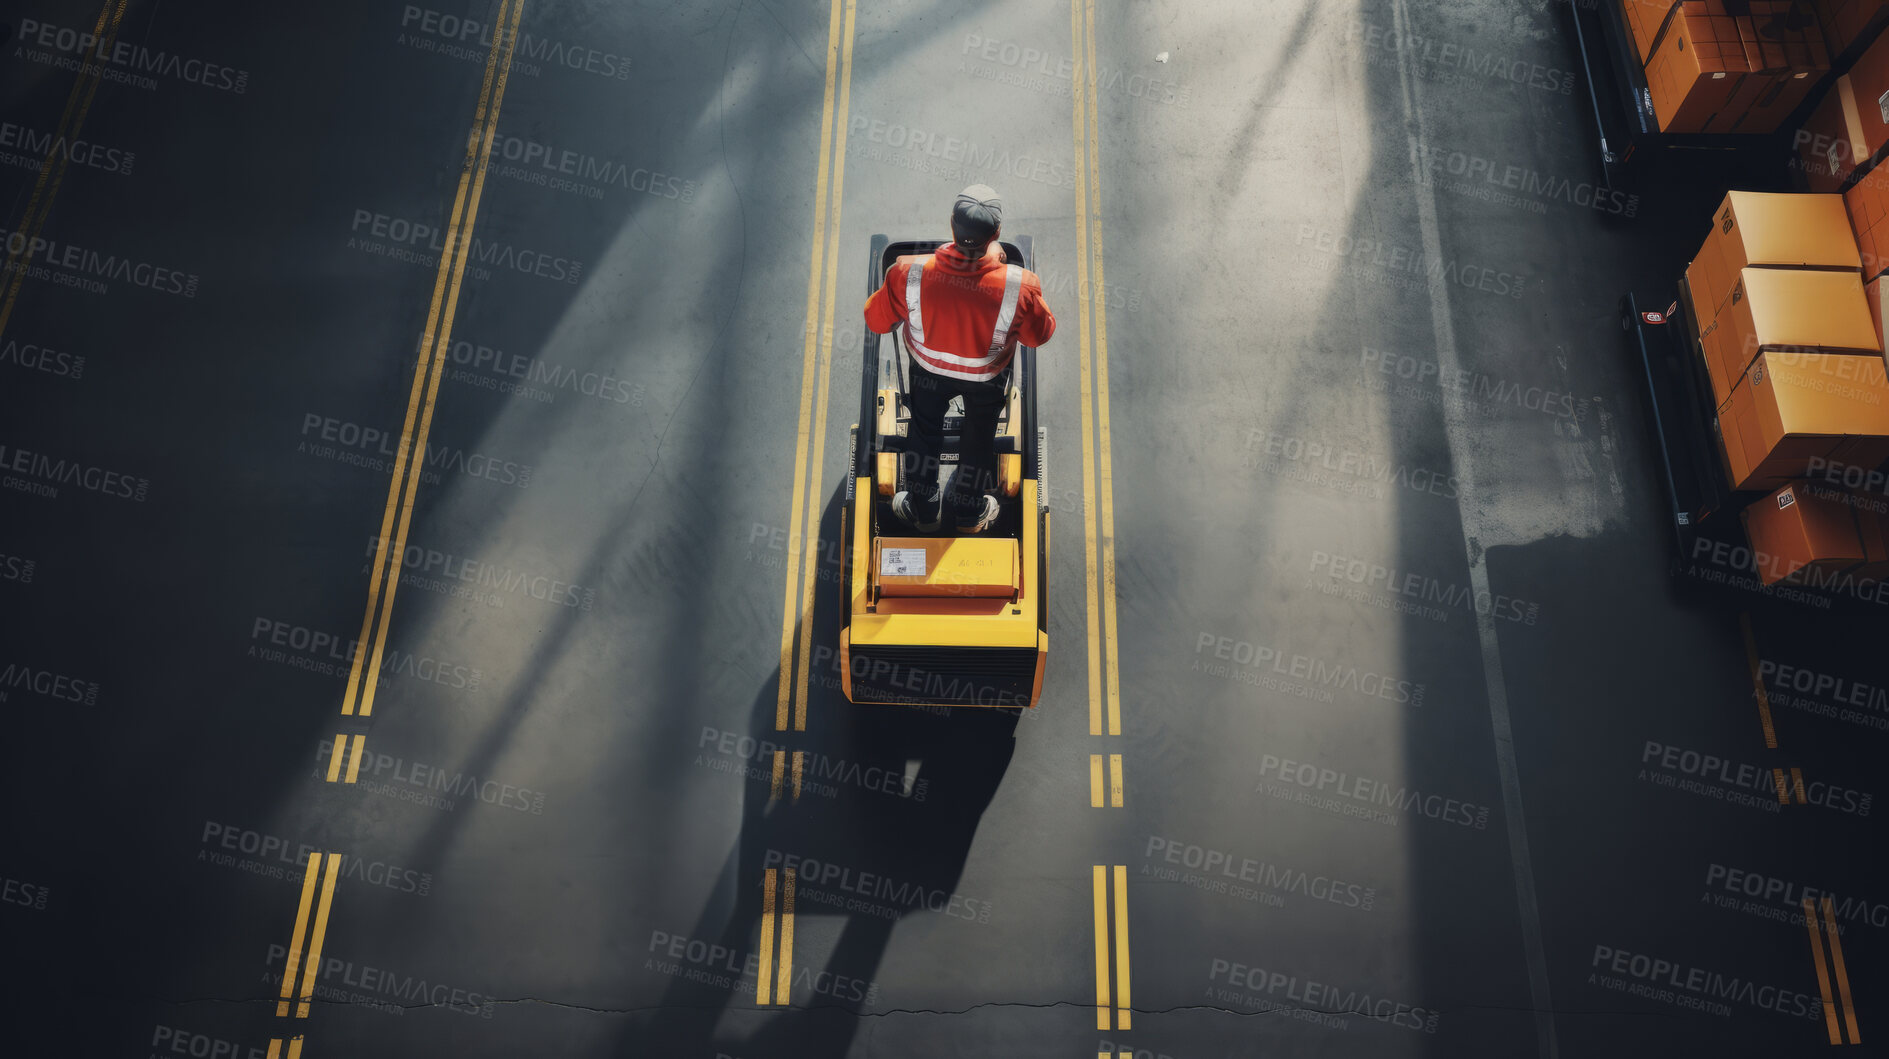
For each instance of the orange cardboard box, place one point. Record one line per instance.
(1848, 22)
(1830, 143)
(1789, 310)
(1872, 517)
(1791, 409)
(1867, 203)
(1774, 230)
(1695, 69)
(1784, 49)
(1873, 293)
(1869, 82)
(1645, 20)
(1800, 528)
(945, 566)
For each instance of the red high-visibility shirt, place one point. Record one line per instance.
(970, 318)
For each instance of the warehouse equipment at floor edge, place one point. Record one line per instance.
(939, 619)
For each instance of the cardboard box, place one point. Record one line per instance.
(1872, 517)
(1830, 144)
(1802, 532)
(1873, 293)
(1785, 52)
(1774, 230)
(946, 566)
(1645, 21)
(1787, 311)
(1848, 23)
(1869, 82)
(1791, 409)
(1867, 203)
(1695, 70)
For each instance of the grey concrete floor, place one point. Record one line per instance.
(1301, 511)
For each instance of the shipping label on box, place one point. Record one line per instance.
(902, 562)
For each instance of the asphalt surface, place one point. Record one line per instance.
(1430, 745)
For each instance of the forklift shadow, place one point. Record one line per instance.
(889, 802)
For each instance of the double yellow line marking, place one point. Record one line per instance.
(766, 989)
(52, 170)
(353, 751)
(391, 543)
(1122, 1002)
(804, 522)
(1821, 930)
(275, 1047)
(308, 960)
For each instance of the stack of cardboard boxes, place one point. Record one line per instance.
(1851, 124)
(1797, 375)
(1726, 66)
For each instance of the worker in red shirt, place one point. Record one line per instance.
(960, 312)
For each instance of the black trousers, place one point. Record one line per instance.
(929, 395)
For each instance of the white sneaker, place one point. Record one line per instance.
(902, 507)
(983, 520)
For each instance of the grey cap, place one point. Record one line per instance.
(976, 216)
